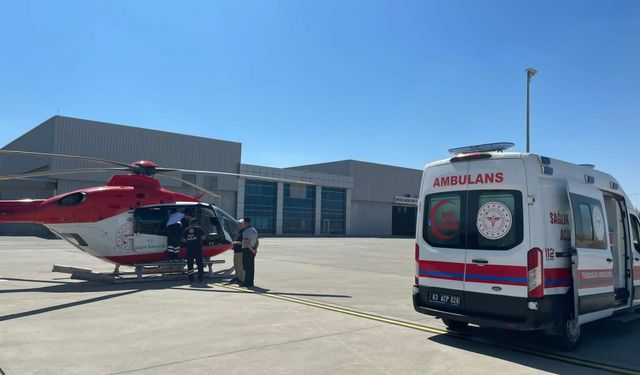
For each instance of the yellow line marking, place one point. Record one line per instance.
(419, 327)
(342, 310)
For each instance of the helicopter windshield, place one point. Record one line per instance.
(229, 223)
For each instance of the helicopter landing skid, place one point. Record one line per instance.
(144, 272)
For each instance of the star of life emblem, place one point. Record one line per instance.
(494, 220)
(123, 236)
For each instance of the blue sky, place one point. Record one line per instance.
(297, 82)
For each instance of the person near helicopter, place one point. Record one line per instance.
(193, 236)
(174, 233)
(249, 250)
(237, 259)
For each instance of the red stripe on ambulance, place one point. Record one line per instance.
(595, 278)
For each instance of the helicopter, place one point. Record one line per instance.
(123, 222)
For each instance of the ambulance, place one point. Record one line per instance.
(524, 242)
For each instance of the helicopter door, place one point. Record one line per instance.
(149, 230)
(229, 224)
(592, 261)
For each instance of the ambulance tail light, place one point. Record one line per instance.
(534, 273)
(417, 252)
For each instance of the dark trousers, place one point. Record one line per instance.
(195, 254)
(174, 233)
(249, 264)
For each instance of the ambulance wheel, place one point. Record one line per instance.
(570, 336)
(454, 324)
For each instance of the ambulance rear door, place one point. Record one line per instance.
(592, 261)
(441, 241)
(497, 240)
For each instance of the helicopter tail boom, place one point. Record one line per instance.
(19, 211)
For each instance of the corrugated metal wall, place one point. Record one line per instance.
(21, 189)
(371, 218)
(373, 182)
(39, 139)
(129, 144)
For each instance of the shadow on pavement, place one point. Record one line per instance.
(121, 290)
(606, 342)
(89, 286)
(63, 306)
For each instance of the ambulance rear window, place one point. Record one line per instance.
(495, 222)
(477, 219)
(443, 220)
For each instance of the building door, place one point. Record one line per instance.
(403, 221)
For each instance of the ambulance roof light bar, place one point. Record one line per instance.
(487, 147)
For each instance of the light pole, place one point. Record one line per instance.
(530, 73)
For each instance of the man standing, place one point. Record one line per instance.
(193, 237)
(237, 256)
(174, 232)
(249, 250)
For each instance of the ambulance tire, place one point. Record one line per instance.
(454, 324)
(570, 334)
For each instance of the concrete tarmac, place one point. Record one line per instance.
(52, 324)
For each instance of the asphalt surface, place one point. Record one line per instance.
(52, 324)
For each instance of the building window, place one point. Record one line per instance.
(260, 199)
(298, 209)
(333, 213)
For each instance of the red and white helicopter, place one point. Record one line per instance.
(124, 221)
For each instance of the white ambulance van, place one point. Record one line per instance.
(524, 242)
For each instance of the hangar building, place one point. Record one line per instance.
(342, 198)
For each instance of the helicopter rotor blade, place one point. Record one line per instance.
(57, 173)
(47, 154)
(138, 169)
(161, 170)
(192, 185)
(275, 179)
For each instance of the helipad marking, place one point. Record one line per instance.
(420, 327)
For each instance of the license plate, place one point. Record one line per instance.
(446, 299)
